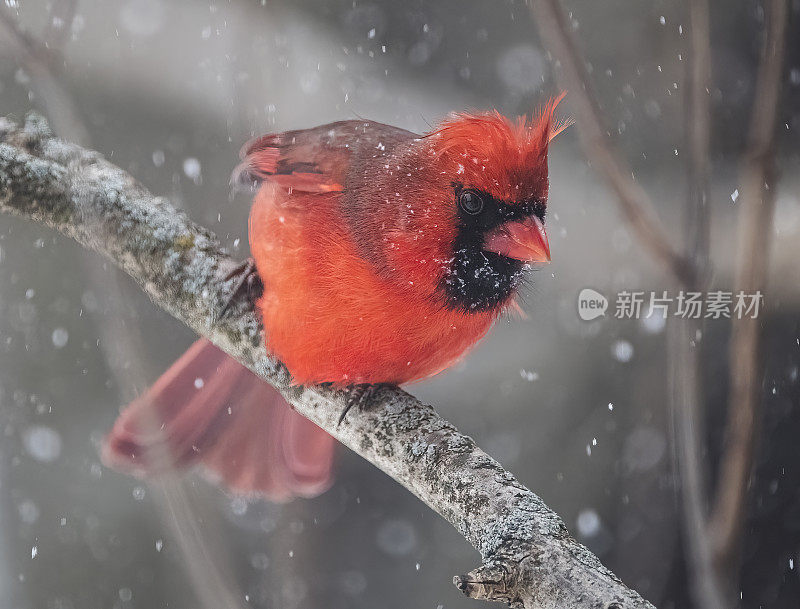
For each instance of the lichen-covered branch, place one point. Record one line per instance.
(529, 558)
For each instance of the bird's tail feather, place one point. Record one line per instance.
(207, 408)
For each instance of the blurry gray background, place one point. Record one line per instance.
(169, 91)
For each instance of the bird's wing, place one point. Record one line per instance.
(312, 160)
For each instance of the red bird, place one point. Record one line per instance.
(384, 257)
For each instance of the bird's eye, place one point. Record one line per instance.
(471, 202)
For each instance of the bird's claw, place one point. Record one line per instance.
(360, 395)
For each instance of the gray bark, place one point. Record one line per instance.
(529, 558)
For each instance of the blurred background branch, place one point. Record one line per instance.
(634, 201)
(713, 542)
(758, 183)
(205, 552)
(44, 62)
(59, 27)
(685, 340)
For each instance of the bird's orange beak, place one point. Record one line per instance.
(525, 240)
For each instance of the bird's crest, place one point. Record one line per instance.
(506, 157)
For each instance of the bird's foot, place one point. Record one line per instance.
(247, 281)
(361, 395)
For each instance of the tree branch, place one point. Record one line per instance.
(698, 137)
(529, 559)
(687, 397)
(635, 203)
(59, 24)
(39, 61)
(43, 59)
(714, 541)
(755, 226)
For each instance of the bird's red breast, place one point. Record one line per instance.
(386, 255)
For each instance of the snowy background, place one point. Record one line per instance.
(169, 91)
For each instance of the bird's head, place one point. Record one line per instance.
(479, 203)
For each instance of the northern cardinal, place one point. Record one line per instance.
(384, 257)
